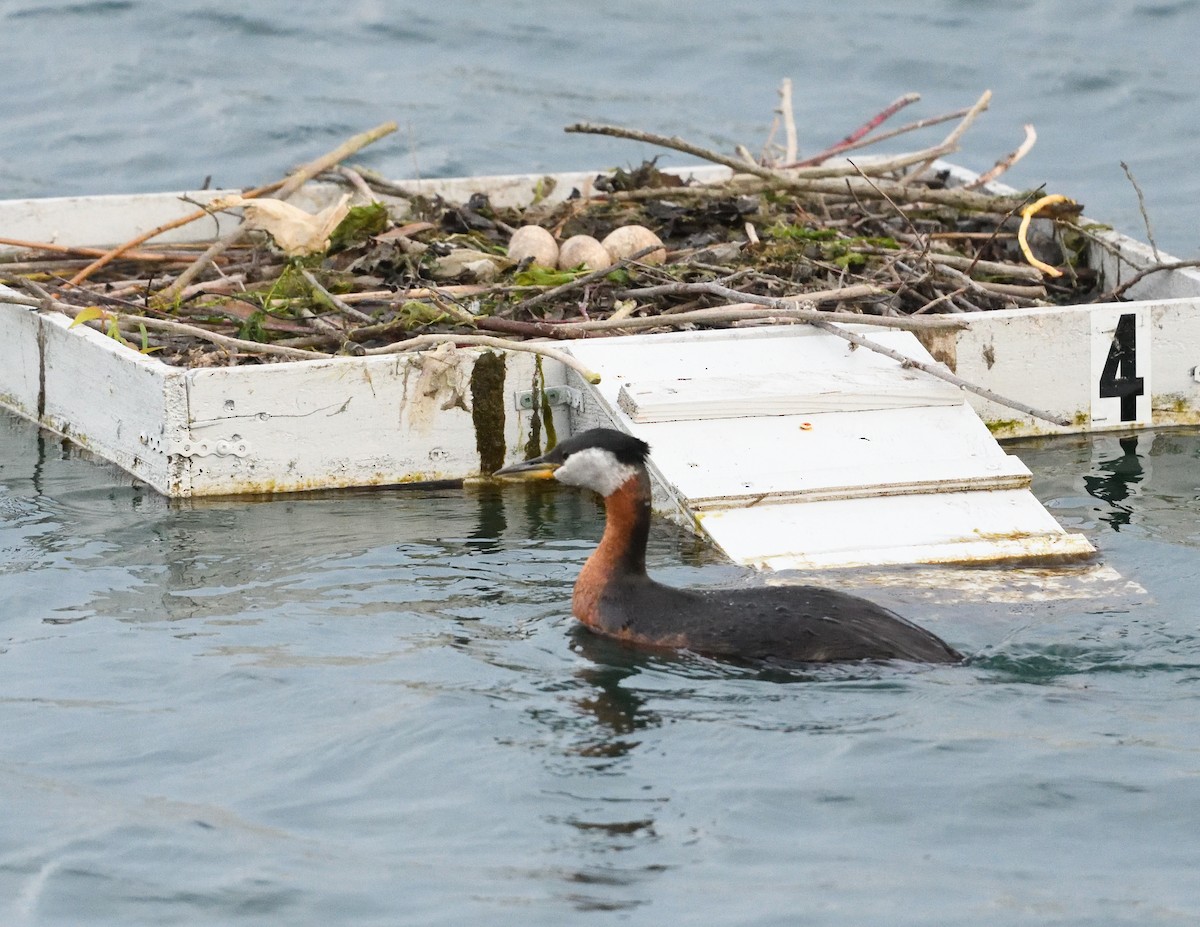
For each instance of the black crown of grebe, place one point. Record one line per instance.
(614, 596)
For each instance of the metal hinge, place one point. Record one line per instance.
(236, 446)
(554, 395)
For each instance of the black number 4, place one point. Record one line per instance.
(1117, 378)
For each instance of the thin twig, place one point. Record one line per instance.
(294, 182)
(852, 140)
(885, 136)
(343, 307)
(789, 120)
(951, 140)
(923, 240)
(745, 165)
(1006, 162)
(969, 265)
(942, 374)
(780, 311)
(1024, 294)
(357, 182)
(1118, 291)
(124, 247)
(830, 180)
(161, 257)
(802, 307)
(839, 294)
(174, 328)
(943, 298)
(1142, 206)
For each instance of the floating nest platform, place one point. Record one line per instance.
(764, 240)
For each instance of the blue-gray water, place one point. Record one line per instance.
(105, 96)
(372, 708)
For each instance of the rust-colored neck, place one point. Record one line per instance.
(622, 549)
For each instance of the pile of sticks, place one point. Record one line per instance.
(785, 239)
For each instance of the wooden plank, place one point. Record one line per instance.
(111, 219)
(271, 428)
(763, 353)
(748, 461)
(923, 484)
(21, 364)
(1054, 359)
(117, 403)
(379, 420)
(962, 527)
(801, 393)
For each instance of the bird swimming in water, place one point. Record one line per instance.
(615, 597)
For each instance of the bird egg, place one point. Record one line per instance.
(630, 239)
(535, 242)
(585, 250)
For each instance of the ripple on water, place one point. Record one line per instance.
(370, 707)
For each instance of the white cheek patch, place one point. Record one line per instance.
(596, 469)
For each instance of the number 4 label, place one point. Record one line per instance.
(1121, 367)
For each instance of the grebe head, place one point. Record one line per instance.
(599, 459)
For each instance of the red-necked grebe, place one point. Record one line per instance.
(614, 596)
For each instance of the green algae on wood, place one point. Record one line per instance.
(487, 410)
(533, 446)
(543, 413)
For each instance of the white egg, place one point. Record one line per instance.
(585, 250)
(630, 239)
(535, 242)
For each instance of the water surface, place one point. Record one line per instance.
(373, 708)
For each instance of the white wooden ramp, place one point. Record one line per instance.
(792, 449)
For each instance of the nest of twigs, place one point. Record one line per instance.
(892, 239)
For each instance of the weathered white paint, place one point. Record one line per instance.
(802, 392)
(20, 358)
(93, 390)
(96, 221)
(273, 428)
(948, 527)
(749, 461)
(343, 422)
(915, 484)
(1047, 358)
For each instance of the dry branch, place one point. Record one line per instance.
(123, 249)
(853, 140)
(836, 180)
(942, 374)
(1006, 162)
(132, 322)
(767, 246)
(293, 183)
